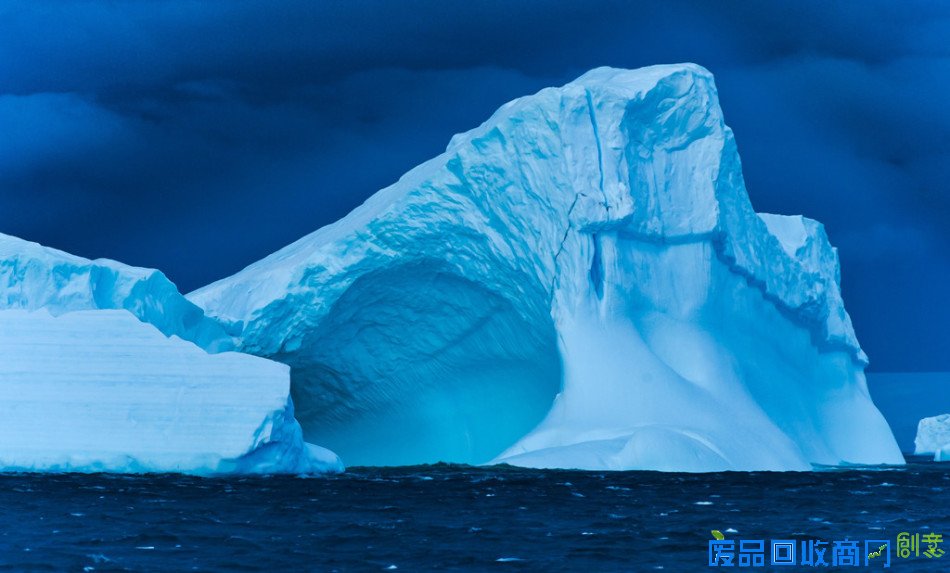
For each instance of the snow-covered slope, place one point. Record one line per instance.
(91, 381)
(579, 282)
(933, 437)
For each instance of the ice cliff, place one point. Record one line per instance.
(933, 437)
(581, 282)
(101, 370)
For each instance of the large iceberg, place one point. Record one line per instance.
(579, 282)
(933, 437)
(100, 370)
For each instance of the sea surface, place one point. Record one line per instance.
(456, 518)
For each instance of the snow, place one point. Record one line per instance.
(581, 281)
(933, 437)
(96, 374)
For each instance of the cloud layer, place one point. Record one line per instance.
(180, 136)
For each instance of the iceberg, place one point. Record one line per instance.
(579, 282)
(101, 370)
(933, 437)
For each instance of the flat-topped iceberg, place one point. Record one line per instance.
(579, 282)
(91, 381)
(933, 437)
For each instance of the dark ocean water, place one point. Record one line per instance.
(454, 518)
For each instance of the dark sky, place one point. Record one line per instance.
(196, 138)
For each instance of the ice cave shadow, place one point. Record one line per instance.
(418, 364)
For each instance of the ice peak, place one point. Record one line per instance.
(641, 79)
